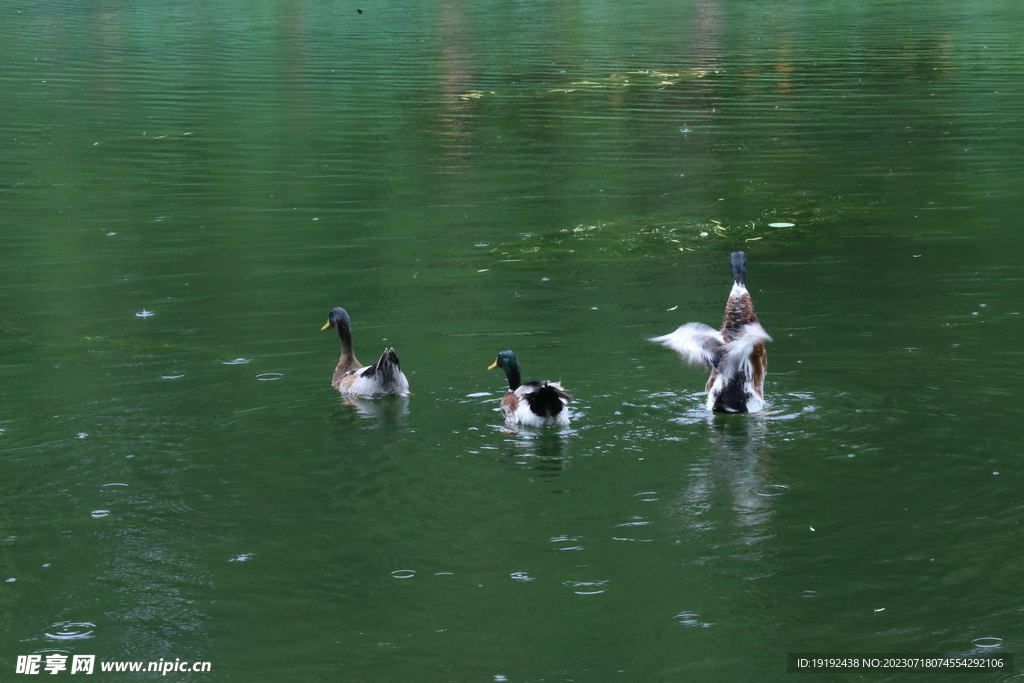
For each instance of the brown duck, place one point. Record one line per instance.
(735, 353)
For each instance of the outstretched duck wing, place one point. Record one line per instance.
(696, 343)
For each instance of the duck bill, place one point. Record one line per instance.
(493, 365)
(326, 326)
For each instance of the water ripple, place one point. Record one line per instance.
(589, 587)
(638, 521)
(692, 620)
(567, 539)
(269, 376)
(70, 630)
(773, 490)
(987, 641)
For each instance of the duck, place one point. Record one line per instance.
(538, 404)
(383, 378)
(735, 353)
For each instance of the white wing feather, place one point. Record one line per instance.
(736, 354)
(696, 343)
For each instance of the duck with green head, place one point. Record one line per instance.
(539, 404)
(383, 378)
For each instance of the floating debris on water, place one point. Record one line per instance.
(781, 225)
(613, 238)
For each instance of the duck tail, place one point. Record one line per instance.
(388, 366)
(739, 268)
(548, 400)
(386, 369)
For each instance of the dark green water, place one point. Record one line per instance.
(565, 180)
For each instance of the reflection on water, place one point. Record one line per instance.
(387, 413)
(737, 462)
(546, 451)
(741, 455)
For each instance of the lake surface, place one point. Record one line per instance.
(186, 190)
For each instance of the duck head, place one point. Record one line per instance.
(508, 362)
(338, 318)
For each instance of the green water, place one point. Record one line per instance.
(566, 180)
